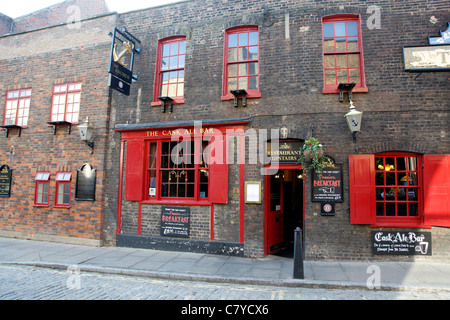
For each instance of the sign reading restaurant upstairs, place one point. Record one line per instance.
(434, 57)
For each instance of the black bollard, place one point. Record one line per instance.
(298, 254)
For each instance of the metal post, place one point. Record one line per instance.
(298, 254)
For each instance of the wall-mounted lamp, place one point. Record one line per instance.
(86, 131)
(354, 120)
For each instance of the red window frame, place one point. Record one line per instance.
(186, 178)
(343, 60)
(170, 70)
(42, 189)
(241, 68)
(17, 107)
(66, 101)
(398, 183)
(63, 189)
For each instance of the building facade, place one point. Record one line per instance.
(203, 171)
(203, 154)
(52, 79)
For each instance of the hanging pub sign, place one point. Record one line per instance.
(401, 243)
(434, 57)
(327, 185)
(85, 188)
(175, 222)
(123, 50)
(5, 181)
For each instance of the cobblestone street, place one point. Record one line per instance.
(31, 283)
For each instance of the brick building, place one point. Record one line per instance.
(52, 78)
(290, 57)
(183, 165)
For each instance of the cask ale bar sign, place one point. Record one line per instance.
(401, 243)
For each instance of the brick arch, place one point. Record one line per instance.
(422, 147)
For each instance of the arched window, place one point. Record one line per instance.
(169, 77)
(241, 61)
(343, 59)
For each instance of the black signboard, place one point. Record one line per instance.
(287, 152)
(327, 186)
(119, 85)
(121, 72)
(86, 178)
(401, 243)
(175, 222)
(5, 181)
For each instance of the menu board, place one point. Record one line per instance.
(5, 181)
(327, 185)
(175, 222)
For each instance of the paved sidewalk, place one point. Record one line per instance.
(270, 270)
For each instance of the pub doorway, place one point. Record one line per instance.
(284, 204)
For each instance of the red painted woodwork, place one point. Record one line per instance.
(437, 190)
(134, 177)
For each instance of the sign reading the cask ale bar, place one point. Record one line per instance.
(5, 181)
(175, 222)
(401, 242)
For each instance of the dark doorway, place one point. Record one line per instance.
(285, 210)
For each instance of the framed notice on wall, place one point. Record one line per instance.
(175, 222)
(252, 192)
(327, 185)
(5, 181)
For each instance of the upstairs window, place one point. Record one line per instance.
(241, 62)
(66, 103)
(17, 108)
(342, 53)
(169, 78)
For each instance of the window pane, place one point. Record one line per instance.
(330, 61)
(182, 47)
(390, 209)
(243, 83)
(328, 45)
(402, 210)
(330, 77)
(253, 38)
(243, 69)
(165, 63)
(380, 209)
(181, 61)
(342, 76)
(232, 40)
(341, 61)
(253, 53)
(340, 29)
(401, 194)
(354, 75)
(173, 62)
(353, 60)
(232, 55)
(253, 68)
(328, 30)
(413, 209)
(353, 44)
(341, 45)
(253, 83)
(232, 70)
(173, 76)
(380, 193)
(174, 49)
(352, 28)
(243, 54)
(412, 194)
(232, 84)
(243, 39)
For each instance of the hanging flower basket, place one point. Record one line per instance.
(311, 156)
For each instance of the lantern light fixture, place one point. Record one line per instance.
(86, 132)
(354, 120)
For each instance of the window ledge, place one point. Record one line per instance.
(229, 96)
(175, 101)
(336, 90)
(41, 205)
(61, 206)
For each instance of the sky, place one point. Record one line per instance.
(19, 8)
